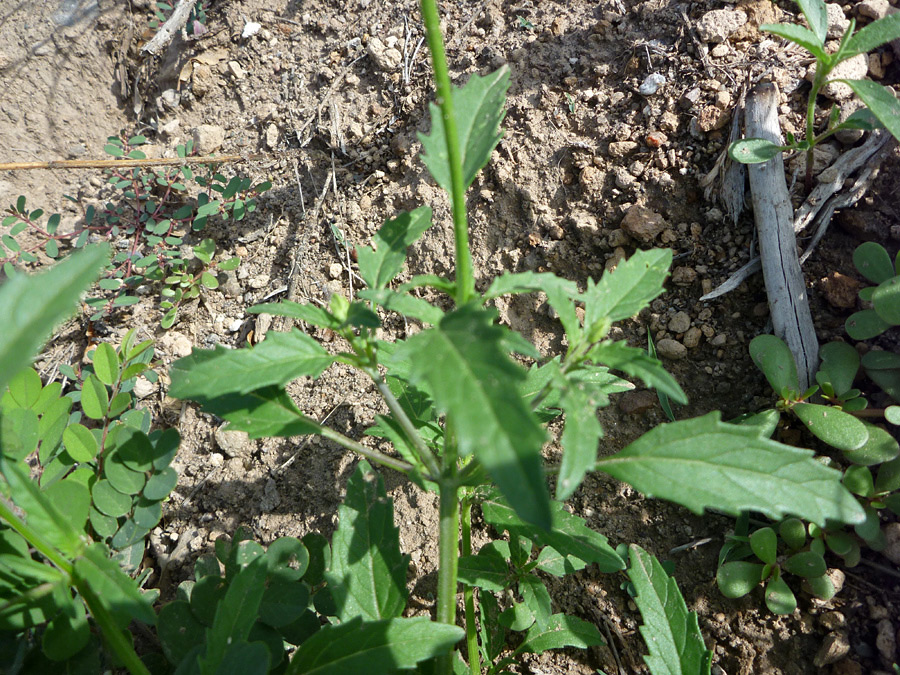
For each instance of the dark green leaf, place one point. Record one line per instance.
(580, 437)
(806, 564)
(264, 412)
(277, 360)
(569, 535)
(879, 99)
(373, 647)
(865, 325)
(560, 631)
(462, 364)
(873, 262)
(773, 357)
(19, 432)
(161, 484)
(316, 316)
(178, 630)
(368, 572)
(487, 572)
(537, 599)
(880, 447)
(840, 363)
(94, 398)
(478, 108)
(737, 579)
(764, 543)
(110, 501)
(706, 463)
(378, 267)
(779, 597)
(68, 633)
(886, 299)
(235, 615)
(39, 302)
(117, 591)
(671, 632)
(874, 35)
(832, 425)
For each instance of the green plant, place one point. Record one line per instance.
(149, 215)
(466, 418)
(874, 263)
(52, 575)
(882, 107)
(837, 423)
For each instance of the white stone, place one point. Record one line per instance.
(837, 22)
(852, 69)
(143, 387)
(651, 84)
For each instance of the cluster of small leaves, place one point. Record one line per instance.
(148, 215)
(882, 107)
(874, 263)
(55, 582)
(862, 444)
(775, 552)
(124, 467)
(340, 606)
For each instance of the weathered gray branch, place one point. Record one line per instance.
(172, 25)
(774, 216)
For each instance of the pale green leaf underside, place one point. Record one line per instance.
(705, 463)
(462, 363)
(378, 267)
(368, 572)
(373, 647)
(277, 360)
(40, 302)
(478, 108)
(671, 632)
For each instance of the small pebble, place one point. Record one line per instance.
(657, 139)
(637, 402)
(892, 548)
(680, 322)
(335, 270)
(886, 640)
(233, 443)
(642, 223)
(684, 276)
(717, 25)
(651, 84)
(143, 387)
(671, 349)
(833, 649)
(208, 138)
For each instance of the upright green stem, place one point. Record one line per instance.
(465, 281)
(114, 637)
(469, 593)
(448, 545)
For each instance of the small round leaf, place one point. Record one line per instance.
(178, 630)
(161, 484)
(779, 597)
(832, 425)
(94, 398)
(737, 579)
(764, 543)
(865, 325)
(873, 262)
(840, 362)
(753, 150)
(821, 587)
(287, 558)
(888, 479)
(80, 443)
(886, 299)
(879, 448)
(773, 357)
(110, 501)
(106, 363)
(121, 477)
(858, 479)
(806, 564)
(792, 532)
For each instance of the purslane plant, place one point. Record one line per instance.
(882, 107)
(466, 419)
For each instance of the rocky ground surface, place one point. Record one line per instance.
(617, 111)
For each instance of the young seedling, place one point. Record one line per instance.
(466, 420)
(882, 107)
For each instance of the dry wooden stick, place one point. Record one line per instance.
(122, 163)
(774, 216)
(167, 31)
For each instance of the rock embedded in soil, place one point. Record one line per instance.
(234, 443)
(854, 68)
(833, 649)
(840, 290)
(637, 402)
(717, 25)
(846, 667)
(671, 349)
(837, 22)
(622, 148)
(886, 640)
(208, 138)
(892, 547)
(176, 344)
(642, 223)
(684, 276)
(680, 322)
(385, 58)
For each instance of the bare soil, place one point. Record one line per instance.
(336, 128)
